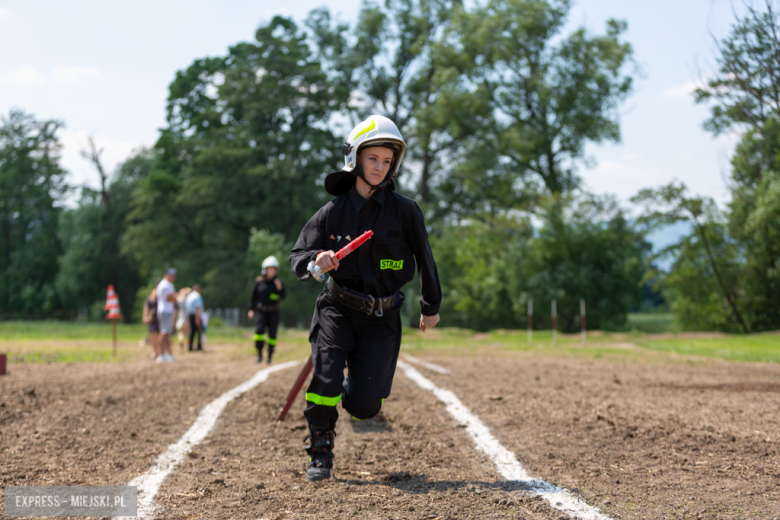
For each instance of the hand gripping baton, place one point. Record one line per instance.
(320, 275)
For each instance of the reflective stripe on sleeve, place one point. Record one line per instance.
(321, 399)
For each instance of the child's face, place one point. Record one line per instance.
(376, 163)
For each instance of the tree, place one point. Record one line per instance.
(708, 246)
(389, 63)
(745, 92)
(92, 234)
(31, 184)
(754, 221)
(93, 156)
(474, 262)
(587, 250)
(549, 94)
(246, 145)
(744, 96)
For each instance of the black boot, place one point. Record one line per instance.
(321, 455)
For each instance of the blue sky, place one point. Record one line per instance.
(104, 67)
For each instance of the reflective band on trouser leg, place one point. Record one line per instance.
(260, 337)
(320, 399)
(272, 342)
(380, 407)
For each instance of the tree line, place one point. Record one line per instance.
(497, 106)
(726, 272)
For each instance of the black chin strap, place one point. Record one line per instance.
(379, 186)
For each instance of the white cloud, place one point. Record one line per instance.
(81, 170)
(29, 76)
(26, 76)
(70, 74)
(6, 15)
(683, 90)
(622, 179)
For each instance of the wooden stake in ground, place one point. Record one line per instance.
(582, 320)
(530, 320)
(113, 350)
(112, 306)
(295, 389)
(554, 323)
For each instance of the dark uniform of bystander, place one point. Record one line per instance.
(267, 295)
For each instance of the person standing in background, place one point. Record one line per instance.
(166, 301)
(267, 295)
(181, 322)
(150, 318)
(193, 305)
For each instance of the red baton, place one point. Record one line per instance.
(347, 249)
(317, 272)
(295, 389)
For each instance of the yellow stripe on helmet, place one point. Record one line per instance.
(366, 129)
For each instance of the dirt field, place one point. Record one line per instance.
(671, 438)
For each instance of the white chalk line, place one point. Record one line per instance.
(429, 366)
(149, 483)
(505, 461)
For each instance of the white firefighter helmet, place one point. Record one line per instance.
(375, 131)
(271, 261)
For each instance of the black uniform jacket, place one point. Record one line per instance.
(383, 264)
(265, 294)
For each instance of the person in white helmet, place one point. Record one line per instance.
(356, 320)
(267, 295)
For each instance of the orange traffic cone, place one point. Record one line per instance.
(112, 300)
(112, 304)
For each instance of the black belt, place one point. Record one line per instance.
(359, 301)
(268, 308)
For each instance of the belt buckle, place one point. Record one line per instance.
(373, 302)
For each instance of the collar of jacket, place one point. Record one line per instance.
(358, 201)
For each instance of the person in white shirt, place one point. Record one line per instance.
(193, 305)
(166, 299)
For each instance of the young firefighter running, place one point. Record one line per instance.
(356, 319)
(267, 295)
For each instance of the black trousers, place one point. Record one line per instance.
(263, 320)
(193, 329)
(367, 345)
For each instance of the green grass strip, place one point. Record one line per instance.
(762, 348)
